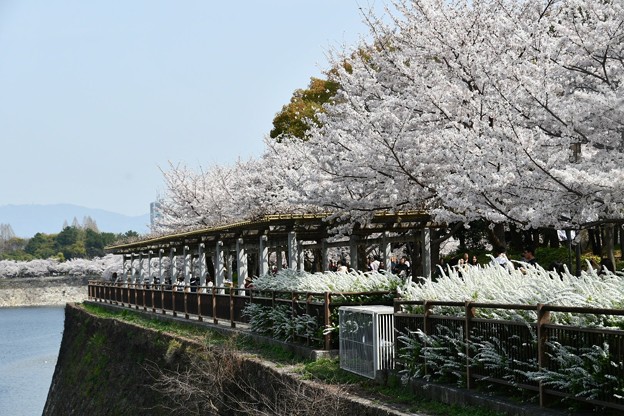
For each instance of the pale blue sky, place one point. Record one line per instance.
(96, 95)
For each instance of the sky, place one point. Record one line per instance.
(96, 97)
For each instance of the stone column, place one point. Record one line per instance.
(141, 276)
(172, 265)
(292, 250)
(426, 252)
(123, 268)
(353, 251)
(278, 258)
(201, 255)
(300, 257)
(149, 267)
(219, 264)
(386, 250)
(324, 255)
(132, 270)
(160, 269)
(241, 263)
(263, 255)
(228, 265)
(187, 266)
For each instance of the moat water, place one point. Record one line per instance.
(30, 339)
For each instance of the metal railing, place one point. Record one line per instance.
(525, 345)
(228, 303)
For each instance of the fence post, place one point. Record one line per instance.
(162, 298)
(327, 316)
(136, 295)
(426, 327)
(174, 291)
(543, 318)
(200, 291)
(426, 323)
(308, 300)
(469, 314)
(186, 314)
(293, 313)
(232, 323)
(214, 305)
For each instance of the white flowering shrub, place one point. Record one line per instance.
(354, 281)
(279, 323)
(524, 286)
(587, 372)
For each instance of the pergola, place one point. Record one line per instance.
(291, 234)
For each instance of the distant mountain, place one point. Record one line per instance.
(27, 220)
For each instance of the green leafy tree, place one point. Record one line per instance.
(294, 118)
(129, 234)
(71, 242)
(42, 246)
(94, 243)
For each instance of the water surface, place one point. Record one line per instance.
(30, 339)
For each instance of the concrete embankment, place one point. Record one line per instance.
(42, 291)
(110, 367)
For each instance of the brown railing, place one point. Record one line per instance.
(520, 341)
(228, 303)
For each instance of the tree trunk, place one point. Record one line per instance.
(516, 238)
(609, 243)
(497, 237)
(550, 238)
(594, 240)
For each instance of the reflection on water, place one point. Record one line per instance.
(29, 344)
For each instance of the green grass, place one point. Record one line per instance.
(176, 328)
(329, 371)
(323, 370)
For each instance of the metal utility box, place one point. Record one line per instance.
(366, 339)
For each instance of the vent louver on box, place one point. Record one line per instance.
(366, 339)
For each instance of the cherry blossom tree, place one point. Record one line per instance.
(222, 194)
(504, 110)
(470, 109)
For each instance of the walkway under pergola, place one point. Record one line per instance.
(253, 242)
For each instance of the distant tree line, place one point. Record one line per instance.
(74, 241)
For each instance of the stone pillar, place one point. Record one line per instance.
(278, 258)
(241, 263)
(201, 258)
(292, 250)
(219, 264)
(123, 268)
(353, 251)
(426, 252)
(300, 257)
(141, 274)
(172, 265)
(386, 251)
(149, 267)
(229, 270)
(132, 269)
(160, 269)
(187, 266)
(324, 255)
(263, 255)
